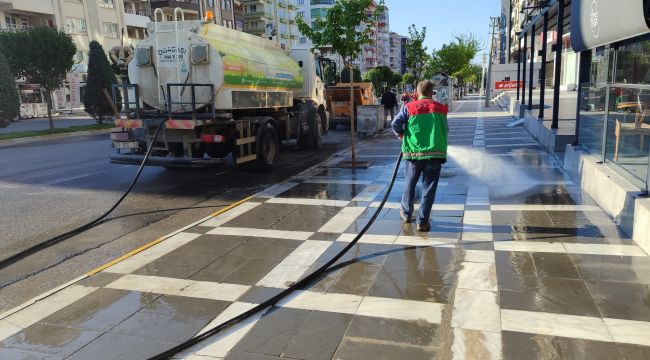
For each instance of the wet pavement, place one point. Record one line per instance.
(542, 274)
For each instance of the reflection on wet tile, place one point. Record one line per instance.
(101, 310)
(355, 279)
(555, 266)
(561, 296)
(50, 339)
(397, 331)
(114, 346)
(318, 337)
(411, 291)
(272, 333)
(634, 269)
(359, 349)
(324, 191)
(621, 300)
(171, 318)
(523, 346)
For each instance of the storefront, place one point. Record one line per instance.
(613, 39)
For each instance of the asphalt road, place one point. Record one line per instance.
(51, 187)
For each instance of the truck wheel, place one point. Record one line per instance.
(267, 147)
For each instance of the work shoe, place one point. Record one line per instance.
(424, 227)
(406, 218)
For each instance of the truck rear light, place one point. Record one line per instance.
(213, 138)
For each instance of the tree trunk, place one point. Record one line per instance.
(48, 102)
(352, 127)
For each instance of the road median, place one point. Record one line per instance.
(23, 137)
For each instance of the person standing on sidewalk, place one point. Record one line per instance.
(422, 127)
(389, 100)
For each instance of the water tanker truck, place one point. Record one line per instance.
(217, 92)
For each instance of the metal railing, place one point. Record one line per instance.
(192, 101)
(124, 88)
(615, 123)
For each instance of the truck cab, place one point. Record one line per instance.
(314, 85)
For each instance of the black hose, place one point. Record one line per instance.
(57, 239)
(298, 285)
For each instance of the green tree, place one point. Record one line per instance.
(9, 100)
(345, 30)
(41, 55)
(454, 58)
(345, 75)
(376, 78)
(100, 76)
(408, 79)
(417, 58)
(395, 79)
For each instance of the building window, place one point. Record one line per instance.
(79, 57)
(251, 9)
(11, 22)
(109, 4)
(226, 23)
(322, 2)
(111, 30)
(239, 25)
(301, 2)
(226, 5)
(75, 25)
(303, 40)
(301, 14)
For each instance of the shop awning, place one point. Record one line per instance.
(598, 22)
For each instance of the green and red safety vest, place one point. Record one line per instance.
(425, 134)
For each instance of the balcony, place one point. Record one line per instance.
(137, 18)
(28, 6)
(172, 4)
(258, 15)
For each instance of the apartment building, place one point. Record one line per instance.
(398, 53)
(272, 19)
(137, 16)
(383, 39)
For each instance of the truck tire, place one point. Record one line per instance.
(267, 147)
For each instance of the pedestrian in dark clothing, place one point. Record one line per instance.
(422, 126)
(389, 100)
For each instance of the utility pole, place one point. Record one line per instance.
(494, 24)
(483, 75)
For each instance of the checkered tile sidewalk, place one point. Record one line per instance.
(542, 274)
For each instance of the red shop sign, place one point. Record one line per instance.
(504, 85)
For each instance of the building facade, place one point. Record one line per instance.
(137, 16)
(398, 53)
(272, 19)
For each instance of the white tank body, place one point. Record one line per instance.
(244, 71)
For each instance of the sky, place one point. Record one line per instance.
(443, 18)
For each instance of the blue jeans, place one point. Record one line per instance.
(430, 172)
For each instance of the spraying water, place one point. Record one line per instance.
(503, 178)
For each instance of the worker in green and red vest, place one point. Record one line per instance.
(422, 126)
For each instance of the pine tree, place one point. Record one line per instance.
(100, 76)
(9, 100)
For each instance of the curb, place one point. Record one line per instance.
(44, 138)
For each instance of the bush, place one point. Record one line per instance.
(100, 76)
(9, 100)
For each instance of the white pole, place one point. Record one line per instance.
(482, 77)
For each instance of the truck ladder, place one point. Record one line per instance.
(245, 142)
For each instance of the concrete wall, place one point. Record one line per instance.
(614, 194)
